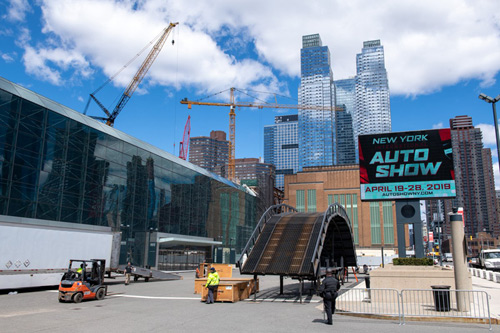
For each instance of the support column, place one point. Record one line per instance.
(459, 243)
(401, 240)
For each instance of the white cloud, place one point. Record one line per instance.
(39, 61)
(17, 10)
(438, 125)
(496, 175)
(428, 44)
(489, 137)
(7, 57)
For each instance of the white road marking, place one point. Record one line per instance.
(25, 313)
(158, 297)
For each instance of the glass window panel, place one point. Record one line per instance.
(70, 201)
(300, 194)
(311, 200)
(46, 211)
(28, 142)
(21, 208)
(70, 214)
(375, 223)
(22, 191)
(388, 222)
(355, 218)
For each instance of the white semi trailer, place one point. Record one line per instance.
(34, 253)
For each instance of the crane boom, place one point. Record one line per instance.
(184, 145)
(232, 119)
(141, 73)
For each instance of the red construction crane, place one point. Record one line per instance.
(110, 120)
(184, 145)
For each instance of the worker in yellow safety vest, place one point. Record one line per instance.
(79, 271)
(212, 284)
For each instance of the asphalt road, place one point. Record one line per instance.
(171, 306)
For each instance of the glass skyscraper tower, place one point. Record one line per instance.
(316, 127)
(373, 110)
(347, 152)
(281, 147)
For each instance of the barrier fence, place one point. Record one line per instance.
(382, 302)
(438, 303)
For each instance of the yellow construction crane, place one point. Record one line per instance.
(110, 120)
(232, 119)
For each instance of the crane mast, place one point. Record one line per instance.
(232, 120)
(141, 73)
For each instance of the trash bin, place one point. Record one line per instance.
(441, 297)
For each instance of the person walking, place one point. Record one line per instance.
(328, 291)
(212, 284)
(128, 273)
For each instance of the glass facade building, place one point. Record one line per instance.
(346, 152)
(60, 166)
(373, 110)
(281, 147)
(316, 127)
(345, 91)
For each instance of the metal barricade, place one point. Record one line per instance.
(380, 302)
(449, 303)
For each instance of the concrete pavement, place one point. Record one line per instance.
(172, 306)
(493, 289)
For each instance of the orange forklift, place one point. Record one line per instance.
(83, 280)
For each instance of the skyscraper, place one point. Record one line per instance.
(316, 127)
(474, 178)
(373, 110)
(210, 153)
(281, 147)
(346, 94)
(344, 138)
(347, 149)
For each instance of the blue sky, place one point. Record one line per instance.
(439, 57)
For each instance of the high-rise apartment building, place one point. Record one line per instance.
(373, 110)
(316, 127)
(281, 147)
(210, 153)
(474, 178)
(260, 176)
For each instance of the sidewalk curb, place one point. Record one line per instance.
(494, 321)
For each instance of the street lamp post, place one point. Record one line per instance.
(493, 101)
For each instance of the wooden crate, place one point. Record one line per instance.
(199, 284)
(224, 270)
(229, 291)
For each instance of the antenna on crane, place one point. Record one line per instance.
(184, 144)
(141, 73)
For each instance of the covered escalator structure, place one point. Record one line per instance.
(299, 245)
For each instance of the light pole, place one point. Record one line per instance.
(493, 101)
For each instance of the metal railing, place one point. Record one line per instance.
(270, 212)
(437, 303)
(446, 303)
(380, 302)
(331, 211)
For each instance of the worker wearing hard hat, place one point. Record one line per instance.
(212, 284)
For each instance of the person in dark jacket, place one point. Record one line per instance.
(328, 290)
(128, 273)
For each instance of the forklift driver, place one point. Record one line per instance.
(79, 271)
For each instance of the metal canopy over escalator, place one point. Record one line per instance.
(288, 243)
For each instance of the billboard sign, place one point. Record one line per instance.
(406, 165)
